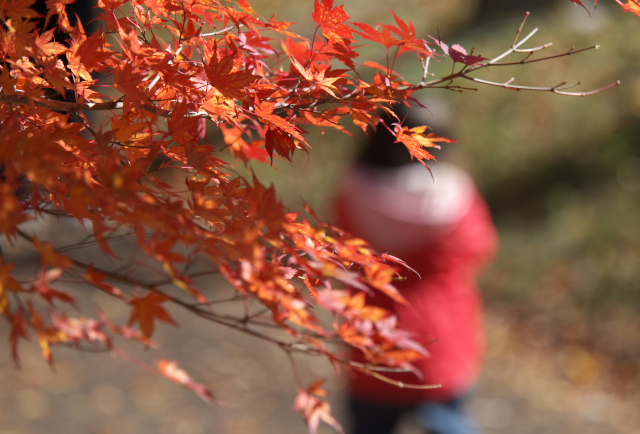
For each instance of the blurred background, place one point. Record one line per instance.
(562, 177)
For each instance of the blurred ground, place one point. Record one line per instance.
(525, 389)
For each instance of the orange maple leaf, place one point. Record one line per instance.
(407, 32)
(416, 140)
(323, 79)
(87, 54)
(281, 26)
(127, 80)
(632, 6)
(57, 7)
(48, 46)
(229, 82)
(246, 6)
(147, 309)
(314, 409)
(43, 287)
(19, 330)
(383, 36)
(97, 279)
(264, 110)
(405, 36)
(282, 135)
(171, 370)
(7, 283)
(50, 256)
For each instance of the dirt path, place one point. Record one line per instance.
(522, 391)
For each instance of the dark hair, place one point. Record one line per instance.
(381, 150)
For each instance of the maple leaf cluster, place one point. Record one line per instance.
(178, 66)
(162, 73)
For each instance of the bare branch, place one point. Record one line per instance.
(528, 59)
(516, 47)
(559, 89)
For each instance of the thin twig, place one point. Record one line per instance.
(400, 384)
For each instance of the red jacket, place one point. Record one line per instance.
(445, 306)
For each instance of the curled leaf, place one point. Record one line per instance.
(171, 370)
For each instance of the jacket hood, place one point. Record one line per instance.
(414, 202)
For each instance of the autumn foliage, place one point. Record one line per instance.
(90, 122)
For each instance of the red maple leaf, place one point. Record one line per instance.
(282, 135)
(283, 144)
(332, 21)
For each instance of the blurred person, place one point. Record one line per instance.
(438, 223)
